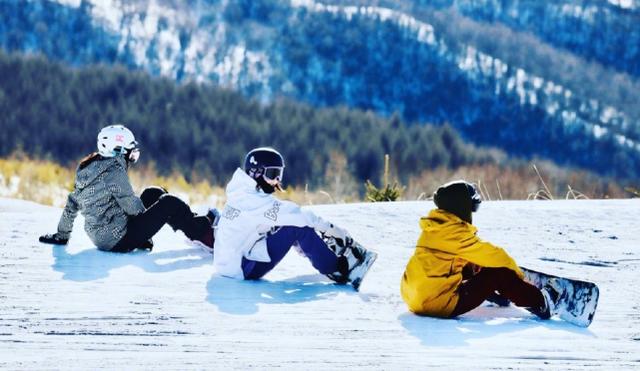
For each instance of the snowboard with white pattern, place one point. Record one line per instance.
(578, 299)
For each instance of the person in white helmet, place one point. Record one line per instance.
(115, 218)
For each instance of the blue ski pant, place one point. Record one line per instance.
(278, 245)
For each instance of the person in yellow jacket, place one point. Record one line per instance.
(453, 271)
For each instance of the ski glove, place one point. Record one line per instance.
(54, 239)
(498, 299)
(341, 235)
(470, 270)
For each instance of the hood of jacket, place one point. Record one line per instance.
(240, 183)
(242, 192)
(446, 232)
(88, 174)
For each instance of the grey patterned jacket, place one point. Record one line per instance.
(104, 196)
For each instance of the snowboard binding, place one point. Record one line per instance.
(354, 261)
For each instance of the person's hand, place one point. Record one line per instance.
(470, 270)
(498, 299)
(341, 236)
(53, 239)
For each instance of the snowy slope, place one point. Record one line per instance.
(76, 307)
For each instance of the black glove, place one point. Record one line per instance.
(498, 299)
(470, 270)
(54, 239)
(342, 237)
(146, 245)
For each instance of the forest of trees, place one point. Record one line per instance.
(62, 33)
(587, 80)
(593, 29)
(359, 42)
(53, 111)
(385, 68)
(366, 61)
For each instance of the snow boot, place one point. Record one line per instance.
(208, 237)
(332, 243)
(341, 276)
(551, 292)
(354, 262)
(205, 241)
(146, 245)
(346, 260)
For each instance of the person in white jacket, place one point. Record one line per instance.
(256, 229)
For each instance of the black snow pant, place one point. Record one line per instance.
(506, 282)
(161, 208)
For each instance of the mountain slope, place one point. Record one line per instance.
(75, 307)
(517, 92)
(601, 31)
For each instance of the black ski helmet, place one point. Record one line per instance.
(458, 197)
(264, 162)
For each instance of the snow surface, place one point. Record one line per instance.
(76, 307)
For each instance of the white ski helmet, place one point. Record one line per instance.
(117, 139)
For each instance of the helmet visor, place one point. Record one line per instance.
(273, 174)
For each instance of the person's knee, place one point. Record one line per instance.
(151, 195)
(296, 233)
(305, 230)
(170, 202)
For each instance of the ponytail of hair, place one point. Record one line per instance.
(88, 160)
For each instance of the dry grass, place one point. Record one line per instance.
(48, 183)
(633, 191)
(40, 181)
(540, 180)
(198, 191)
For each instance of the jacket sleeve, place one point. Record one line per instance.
(289, 213)
(119, 186)
(487, 255)
(65, 225)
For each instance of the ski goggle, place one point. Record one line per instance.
(273, 174)
(130, 154)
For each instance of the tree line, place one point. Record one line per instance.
(53, 111)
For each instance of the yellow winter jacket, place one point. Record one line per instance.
(434, 273)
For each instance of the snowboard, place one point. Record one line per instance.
(358, 273)
(578, 300)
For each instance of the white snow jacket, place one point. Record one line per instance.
(246, 218)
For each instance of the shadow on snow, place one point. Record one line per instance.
(483, 322)
(242, 297)
(92, 264)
